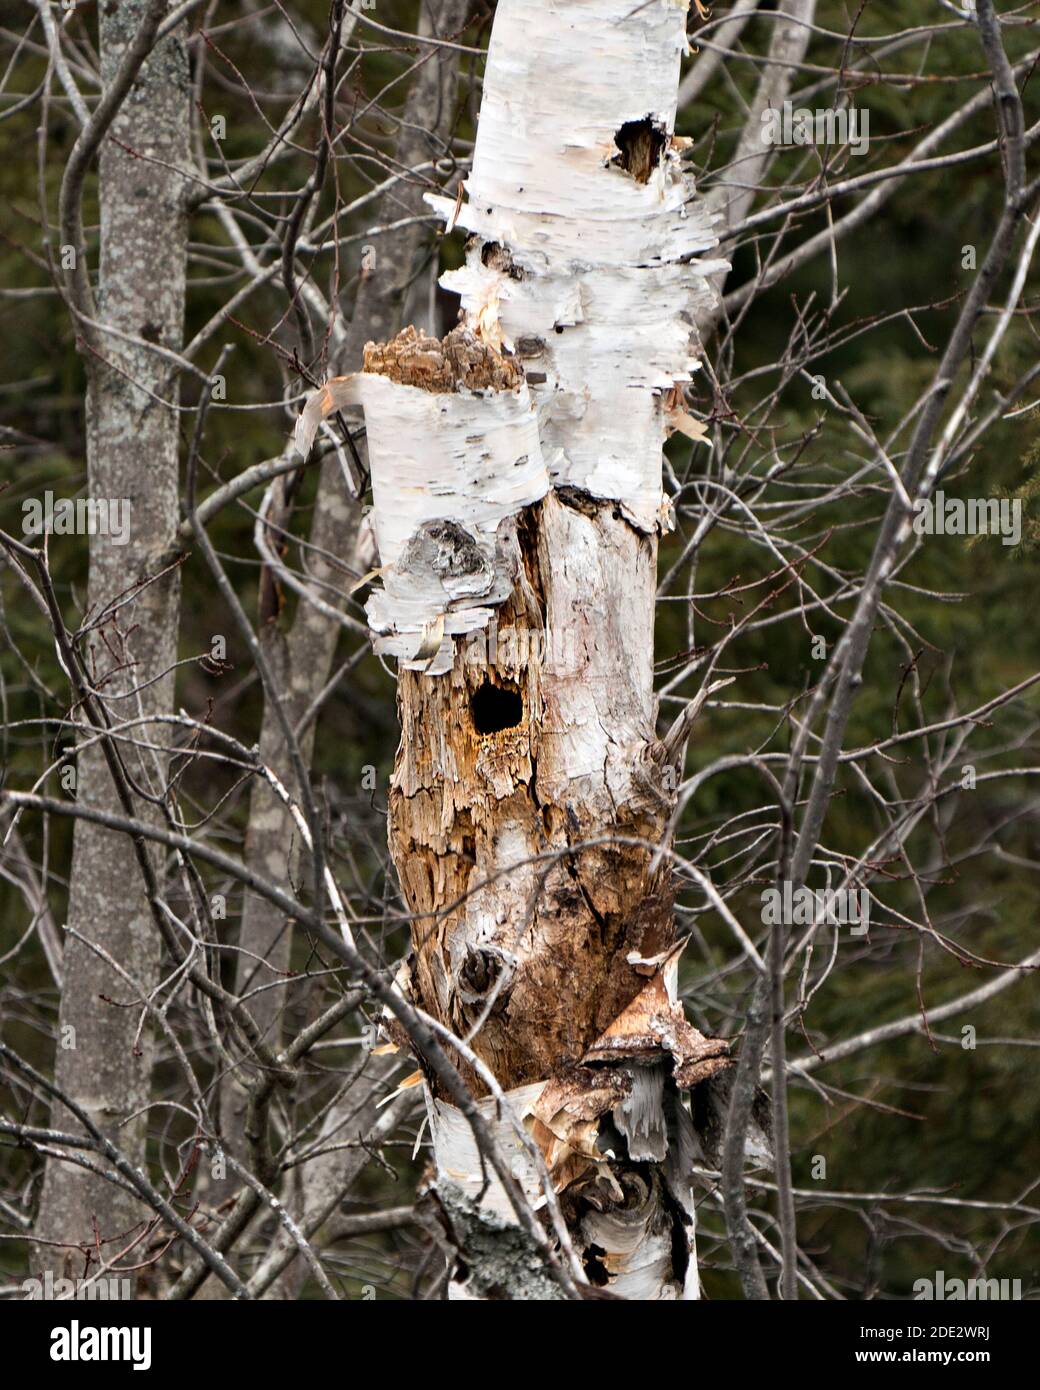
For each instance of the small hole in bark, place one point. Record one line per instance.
(642, 144)
(595, 1269)
(495, 709)
(481, 971)
(495, 255)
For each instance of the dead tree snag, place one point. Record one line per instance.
(517, 503)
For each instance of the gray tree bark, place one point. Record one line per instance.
(103, 1061)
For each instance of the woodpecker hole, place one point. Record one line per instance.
(495, 709)
(641, 145)
(481, 971)
(595, 1269)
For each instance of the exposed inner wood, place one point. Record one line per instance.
(641, 145)
(568, 895)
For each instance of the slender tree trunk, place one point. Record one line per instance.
(104, 1057)
(518, 500)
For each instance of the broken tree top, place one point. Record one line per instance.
(581, 280)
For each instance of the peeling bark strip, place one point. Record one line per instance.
(454, 452)
(528, 793)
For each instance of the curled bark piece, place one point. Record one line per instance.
(338, 393)
(454, 452)
(565, 1119)
(634, 1223)
(654, 1023)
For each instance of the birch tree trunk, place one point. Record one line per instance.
(518, 498)
(132, 456)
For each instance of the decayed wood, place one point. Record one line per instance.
(507, 844)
